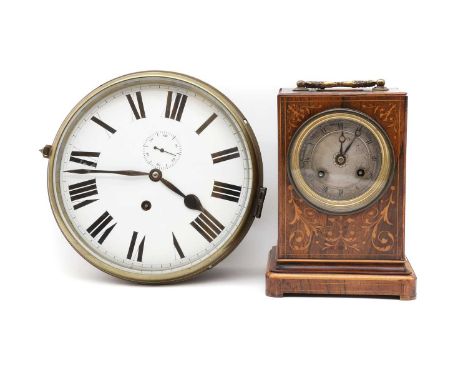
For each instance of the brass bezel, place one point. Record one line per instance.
(340, 206)
(225, 249)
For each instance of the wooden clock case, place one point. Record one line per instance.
(359, 254)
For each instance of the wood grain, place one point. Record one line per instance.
(356, 254)
(376, 232)
(280, 283)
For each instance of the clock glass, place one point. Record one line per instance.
(340, 161)
(153, 176)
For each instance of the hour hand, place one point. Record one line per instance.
(191, 201)
(172, 187)
(156, 176)
(342, 140)
(118, 172)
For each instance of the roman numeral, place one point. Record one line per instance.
(140, 112)
(103, 124)
(175, 111)
(206, 123)
(141, 247)
(83, 190)
(74, 157)
(177, 246)
(369, 141)
(224, 155)
(226, 191)
(102, 222)
(207, 226)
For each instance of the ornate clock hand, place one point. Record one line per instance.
(118, 172)
(340, 158)
(342, 139)
(156, 175)
(172, 187)
(357, 133)
(191, 201)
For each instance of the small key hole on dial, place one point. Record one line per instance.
(146, 205)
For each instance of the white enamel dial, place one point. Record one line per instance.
(176, 131)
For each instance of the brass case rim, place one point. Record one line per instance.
(235, 238)
(340, 207)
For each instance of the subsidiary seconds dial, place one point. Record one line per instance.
(153, 177)
(162, 150)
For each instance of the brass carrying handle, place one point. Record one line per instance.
(377, 84)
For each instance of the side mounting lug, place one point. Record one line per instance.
(45, 151)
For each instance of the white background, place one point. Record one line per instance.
(62, 320)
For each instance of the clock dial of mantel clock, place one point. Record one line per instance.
(341, 179)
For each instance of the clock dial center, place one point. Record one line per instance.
(155, 175)
(340, 159)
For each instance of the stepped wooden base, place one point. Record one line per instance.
(342, 278)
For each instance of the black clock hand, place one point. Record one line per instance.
(171, 187)
(191, 201)
(342, 139)
(156, 175)
(163, 150)
(357, 133)
(118, 172)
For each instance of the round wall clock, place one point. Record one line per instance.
(155, 177)
(340, 161)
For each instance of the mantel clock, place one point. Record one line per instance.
(342, 150)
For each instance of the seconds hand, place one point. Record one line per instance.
(163, 150)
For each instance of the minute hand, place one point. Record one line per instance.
(172, 187)
(118, 172)
(357, 133)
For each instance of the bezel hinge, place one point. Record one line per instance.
(262, 191)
